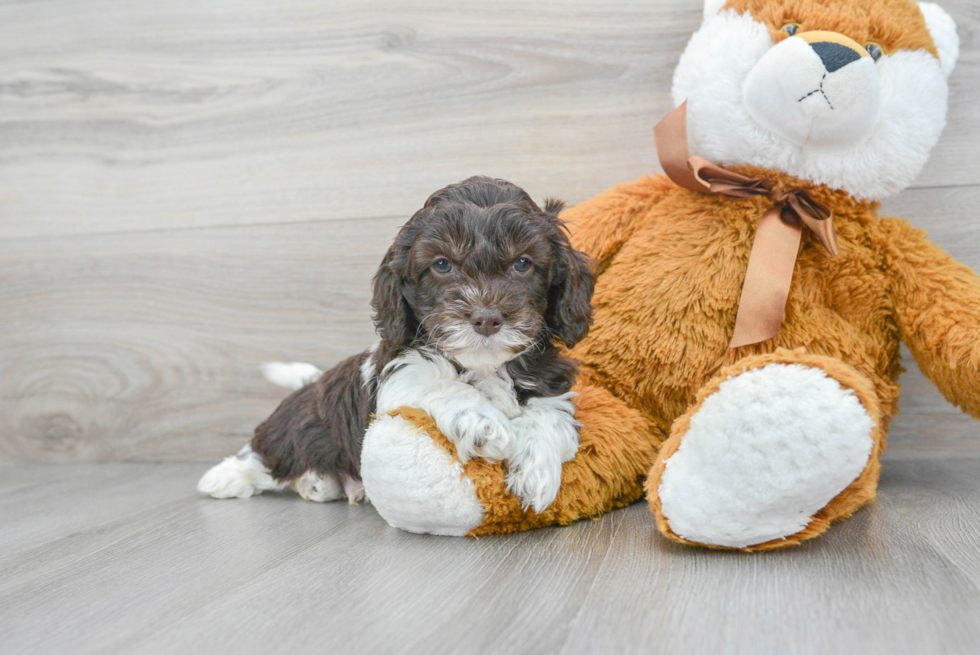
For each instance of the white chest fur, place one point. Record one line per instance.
(497, 387)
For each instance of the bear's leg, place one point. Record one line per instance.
(776, 448)
(413, 479)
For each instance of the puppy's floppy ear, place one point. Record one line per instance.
(393, 317)
(569, 313)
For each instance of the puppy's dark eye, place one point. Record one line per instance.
(875, 51)
(791, 28)
(523, 265)
(443, 266)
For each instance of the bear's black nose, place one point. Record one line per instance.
(834, 55)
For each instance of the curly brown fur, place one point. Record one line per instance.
(483, 226)
(316, 428)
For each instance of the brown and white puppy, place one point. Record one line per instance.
(472, 303)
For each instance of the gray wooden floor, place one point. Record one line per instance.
(125, 558)
(189, 189)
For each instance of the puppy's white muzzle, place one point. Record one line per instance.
(818, 90)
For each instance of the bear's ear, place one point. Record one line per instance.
(942, 27)
(712, 7)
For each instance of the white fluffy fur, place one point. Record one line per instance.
(368, 366)
(290, 375)
(478, 411)
(545, 437)
(765, 452)
(244, 475)
(812, 108)
(466, 416)
(712, 74)
(942, 27)
(496, 386)
(240, 476)
(414, 484)
(318, 489)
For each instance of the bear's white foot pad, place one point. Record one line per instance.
(763, 454)
(415, 485)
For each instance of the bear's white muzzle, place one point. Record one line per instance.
(818, 90)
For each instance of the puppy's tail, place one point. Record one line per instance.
(291, 375)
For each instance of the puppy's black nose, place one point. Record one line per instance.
(487, 321)
(834, 55)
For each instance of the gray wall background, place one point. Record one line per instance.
(188, 189)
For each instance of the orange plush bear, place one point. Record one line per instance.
(748, 309)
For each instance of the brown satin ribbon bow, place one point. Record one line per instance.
(777, 238)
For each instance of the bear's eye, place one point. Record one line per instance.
(874, 50)
(791, 28)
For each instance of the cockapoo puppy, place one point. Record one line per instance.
(472, 303)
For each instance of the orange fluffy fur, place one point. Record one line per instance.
(892, 24)
(667, 298)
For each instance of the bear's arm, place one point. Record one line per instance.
(938, 308)
(601, 225)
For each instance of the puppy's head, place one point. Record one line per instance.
(482, 273)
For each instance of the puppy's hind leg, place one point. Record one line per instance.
(318, 488)
(241, 476)
(354, 489)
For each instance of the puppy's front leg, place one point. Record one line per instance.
(461, 412)
(546, 436)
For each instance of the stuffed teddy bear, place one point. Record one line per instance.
(749, 307)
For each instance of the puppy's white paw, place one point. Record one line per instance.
(229, 479)
(241, 476)
(481, 432)
(546, 436)
(536, 485)
(312, 487)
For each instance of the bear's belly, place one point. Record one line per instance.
(666, 303)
